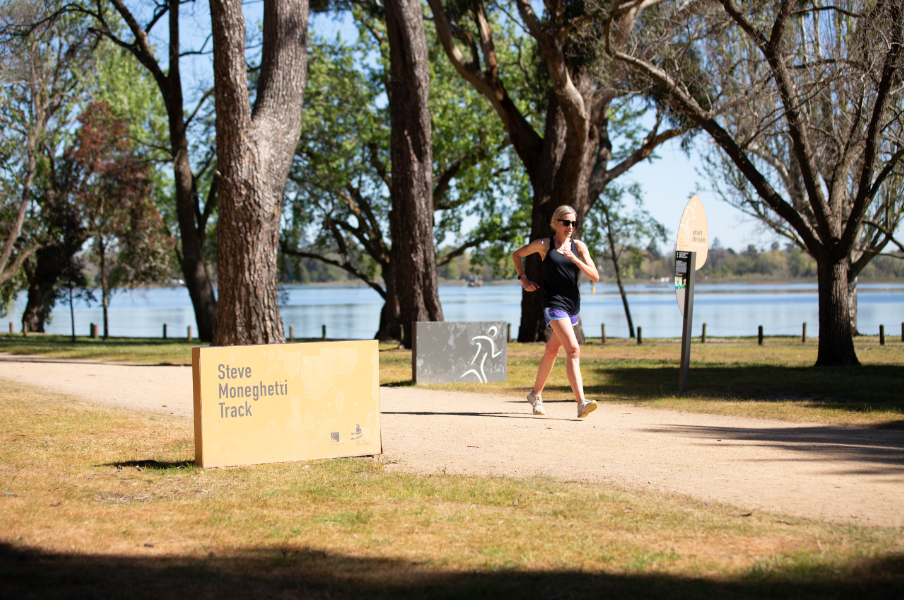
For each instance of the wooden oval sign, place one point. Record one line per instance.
(693, 235)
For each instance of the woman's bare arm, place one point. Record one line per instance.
(541, 246)
(583, 261)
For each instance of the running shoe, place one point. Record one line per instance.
(586, 407)
(537, 402)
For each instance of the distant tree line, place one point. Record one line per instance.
(753, 264)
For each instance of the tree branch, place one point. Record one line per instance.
(342, 265)
(526, 141)
(686, 103)
(865, 190)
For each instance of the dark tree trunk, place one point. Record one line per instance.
(560, 177)
(390, 317)
(254, 152)
(66, 235)
(411, 218)
(42, 287)
(194, 265)
(836, 344)
(37, 307)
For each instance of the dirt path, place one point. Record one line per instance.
(828, 473)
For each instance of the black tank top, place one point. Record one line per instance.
(560, 281)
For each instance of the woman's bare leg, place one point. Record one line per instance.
(565, 333)
(547, 362)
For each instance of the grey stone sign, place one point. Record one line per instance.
(459, 352)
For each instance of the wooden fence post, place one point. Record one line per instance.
(603, 332)
(291, 333)
(189, 333)
(881, 335)
(639, 336)
(803, 335)
(324, 332)
(759, 336)
(703, 337)
(164, 331)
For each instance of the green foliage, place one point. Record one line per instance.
(129, 243)
(43, 68)
(338, 198)
(132, 95)
(124, 85)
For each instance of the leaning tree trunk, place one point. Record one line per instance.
(254, 152)
(411, 218)
(836, 344)
(194, 265)
(624, 296)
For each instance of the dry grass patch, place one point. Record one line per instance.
(105, 502)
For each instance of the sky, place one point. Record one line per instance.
(667, 183)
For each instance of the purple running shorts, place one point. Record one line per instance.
(555, 314)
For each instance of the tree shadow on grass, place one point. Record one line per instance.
(302, 572)
(884, 451)
(153, 465)
(854, 389)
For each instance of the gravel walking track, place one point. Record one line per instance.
(828, 473)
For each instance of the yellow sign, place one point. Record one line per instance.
(693, 234)
(275, 403)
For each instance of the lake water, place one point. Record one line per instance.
(354, 311)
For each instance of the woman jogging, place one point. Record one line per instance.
(563, 259)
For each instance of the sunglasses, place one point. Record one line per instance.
(568, 223)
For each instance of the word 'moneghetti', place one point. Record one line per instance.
(255, 391)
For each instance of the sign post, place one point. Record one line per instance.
(685, 269)
(690, 255)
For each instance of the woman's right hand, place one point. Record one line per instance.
(528, 285)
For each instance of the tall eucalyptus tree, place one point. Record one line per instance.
(411, 189)
(803, 98)
(569, 152)
(255, 145)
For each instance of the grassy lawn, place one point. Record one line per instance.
(730, 376)
(103, 502)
